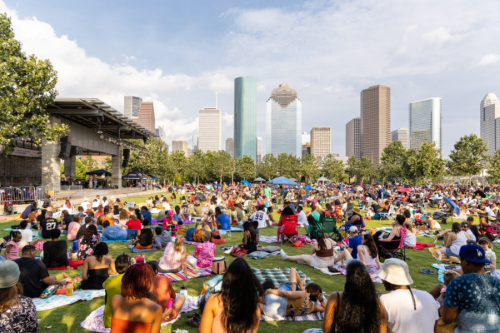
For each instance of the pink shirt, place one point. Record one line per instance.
(170, 258)
(205, 253)
(14, 250)
(73, 230)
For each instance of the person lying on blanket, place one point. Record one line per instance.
(322, 252)
(291, 298)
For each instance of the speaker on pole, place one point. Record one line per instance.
(126, 156)
(65, 148)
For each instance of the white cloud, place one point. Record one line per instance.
(489, 59)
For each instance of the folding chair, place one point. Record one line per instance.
(400, 250)
(387, 215)
(330, 227)
(289, 231)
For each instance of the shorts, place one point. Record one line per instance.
(317, 262)
(449, 253)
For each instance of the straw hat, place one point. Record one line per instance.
(396, 272)
(356, 210)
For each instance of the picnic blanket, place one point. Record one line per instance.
(277, 275)
(134, 250)
(442, 268)
(420, 246)
(267, 239)
(116, 240)
(372, 271)
(56, 301)
(190, 242)
(95, 320)
(192, 274)
(316, 316)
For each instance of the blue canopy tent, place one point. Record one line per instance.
(246, 182)
(99, 172)
(135, 175)
(282, 181)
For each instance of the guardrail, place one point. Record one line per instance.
(26, 194)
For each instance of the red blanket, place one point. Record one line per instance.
(420, 246)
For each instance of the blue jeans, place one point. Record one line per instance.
(95, 185)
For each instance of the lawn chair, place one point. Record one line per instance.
(330, 227)
(389, 214)
(400, 250)
(289, 231)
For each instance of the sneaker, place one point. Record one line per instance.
(283, 254)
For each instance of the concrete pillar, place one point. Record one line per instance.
(51, 166)
(70, 166)
(116, 169)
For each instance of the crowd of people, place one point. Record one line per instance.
(139, 297)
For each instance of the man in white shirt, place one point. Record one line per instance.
(491, 213)
(302, 218)
(261, 217)
(408, 310)
(85, 204)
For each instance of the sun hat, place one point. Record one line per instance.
(353, 229)
(9, 274)
(473, 253)
(395, 271)
(356, 210)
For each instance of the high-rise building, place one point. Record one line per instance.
(146, 116)
(321, 142)
(259, 150)
(353, 138)
(403, 135)
(245, 116)
(425, 122)
(180, 145)
(375, 121)
(209, 130)
(132, 106)
(306, 137)
(490, 113)
(160, 132)
(306, 148)
(230, 147)
(284, 122)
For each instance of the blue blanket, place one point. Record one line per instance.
(134, 250)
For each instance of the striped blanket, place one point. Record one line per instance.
(317, 316)
(192, 274)
(277, 275)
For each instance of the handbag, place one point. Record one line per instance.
(239, 252)
(219, 265)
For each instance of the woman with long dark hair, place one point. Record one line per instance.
(359, 309)
(97, 268)
(454, 239)
(249, 237)
(235, 308)
(368, 252)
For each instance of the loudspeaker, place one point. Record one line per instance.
(65, 149)
(75, 151)
(126, 156)
(100, 119)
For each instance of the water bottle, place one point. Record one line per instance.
(229, 233)
(184, 292)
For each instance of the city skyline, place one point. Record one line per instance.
(427, 49)
(425, 122)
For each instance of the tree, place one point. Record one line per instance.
(245, 167)
(149, 162)
(309, 168)
(494, 166)
(425, 162)
(268, 166)
(108, 164)
(90, 163)
(81, 170)
(222, 164)
(469, 156)
(391, 160)
(28, 87)
(288, 165)
(197, 166)
(365, 169)
(333, 168)
(179, 163)
(352, 166)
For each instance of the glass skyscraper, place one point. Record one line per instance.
(245, 117)
(284, 122)
(425, 122)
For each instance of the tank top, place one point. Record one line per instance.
(369, 260)
(458, 243)
(326, 252)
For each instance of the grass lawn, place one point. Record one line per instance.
(68, 318)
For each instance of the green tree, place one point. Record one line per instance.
(309, 168)
(196, 166)
(245, 167)
(333, 168)
(268, 166)
(391, 160)
(222, 165)
(90, 163)
(469, 156)
(494, 166)
(108, 164)
(288, 165)
(424, 163)
(352, 166)
(179, 163)
(81, 170)
(28, 87)
(366, 169)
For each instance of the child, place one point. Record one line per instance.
(12, 247)
(490, 255)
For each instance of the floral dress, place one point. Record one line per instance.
(20, 318)
(87, 247)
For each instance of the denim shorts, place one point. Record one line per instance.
(449, 253)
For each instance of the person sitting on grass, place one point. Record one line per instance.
(255, 225)
(55, 251)
(34, 276)
(174, 257)
(47, 225)
(355, 241)
(322, 252)
(134, 223)
(454, 239)
(113, 286)
(88, 242)
(236, 307)
(162, 238)
(73, 228)
(146, 215)
(97, 268)
(357, 308)
(291, 298)
(368, 252)
(203, 254)
(113, 232)
(162, 288)
(249, 238)
(145, 237)
(12, 246)
(223, 221)
(132, 311)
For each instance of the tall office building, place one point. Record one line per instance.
(209, 130)
(284, 122)
(132, 106)
(245, 116)
(160, 132)
(306, 137)
(425, 122)
(230, 147)
(180, 145)
(259, 150)
(353, 138)
(490, 113)
(321, 142)
(375, 121)
(146, 116)
(403, 135)
(306, 148)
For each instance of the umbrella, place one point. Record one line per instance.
(457, 183)
(233, 187)
(282, 181)
(99, 172)
(481, 193)
(135, 175)
(322, 179)
(404, 189)
(448, 200)
(246, 182)
(218, 185)
(154, 177)
(308, 187)
(259, 180)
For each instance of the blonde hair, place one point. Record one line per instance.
(179, 241)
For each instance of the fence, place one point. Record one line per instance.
(26, 194)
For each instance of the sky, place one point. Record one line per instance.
(179, 53)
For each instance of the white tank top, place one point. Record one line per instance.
(369, 260)
(458, 243)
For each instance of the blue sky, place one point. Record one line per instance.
(179, 53)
